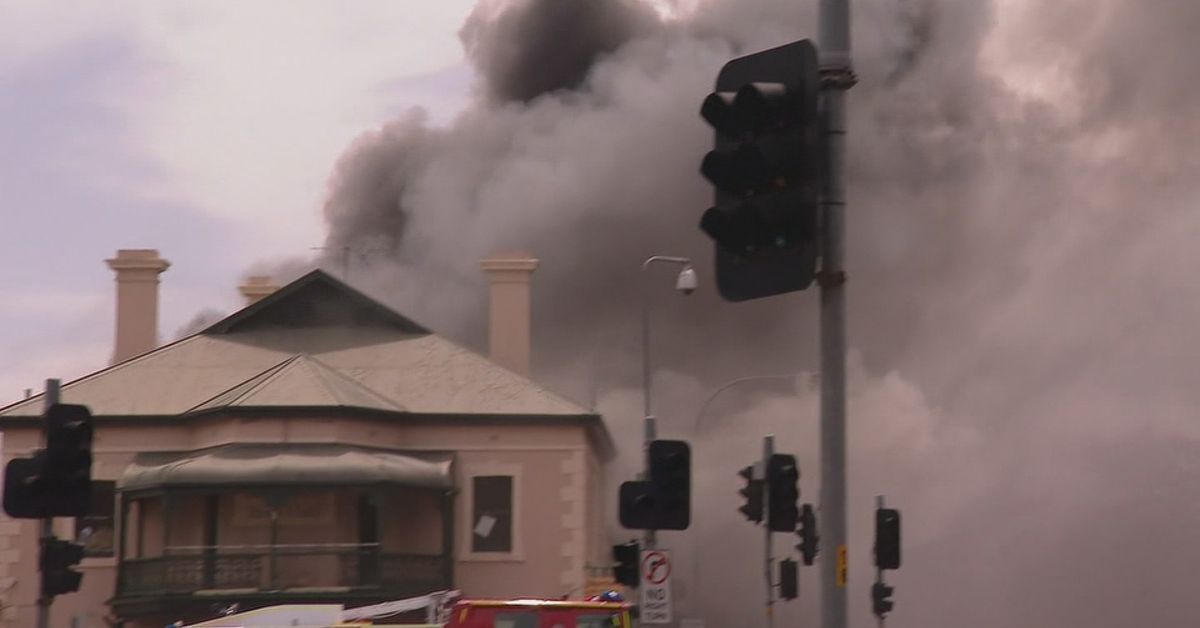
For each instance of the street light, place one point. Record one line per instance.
(795, 378)
(686, 283)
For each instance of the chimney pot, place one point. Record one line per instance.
(137, 273)
(509, 275)
(256, 287)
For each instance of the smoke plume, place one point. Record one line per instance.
(1021, 228)
(533, 47)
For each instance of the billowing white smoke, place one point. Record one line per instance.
(1022, 294)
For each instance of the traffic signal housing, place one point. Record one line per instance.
(671, 474)
(887, 538)
(68, 460)
(664, 501)
(782, 492)
(881, 602)
(58, 557)
(637, 505)
(24, 487)
(789, 579)
(808, 534)
(752, 493)
(765, 168)
(55, 481)
(626, 557)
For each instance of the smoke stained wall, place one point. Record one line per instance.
(1021, 232)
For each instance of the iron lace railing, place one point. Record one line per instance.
(268, 568)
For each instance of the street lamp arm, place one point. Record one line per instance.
(647, 396)
(730, 384)
(666, 258)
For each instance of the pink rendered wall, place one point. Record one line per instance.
(557, 506)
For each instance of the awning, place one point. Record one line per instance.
(286, 464)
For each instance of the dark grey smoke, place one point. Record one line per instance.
(1022, 229)
(916, 24)
(365, 205)
(526, 48)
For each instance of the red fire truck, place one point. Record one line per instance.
(439, 613)
(539, 614)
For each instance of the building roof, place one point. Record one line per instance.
(316, 342)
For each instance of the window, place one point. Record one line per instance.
(492, 517)
(95, 531)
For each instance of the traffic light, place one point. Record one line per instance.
(24, 487)
(807, 534)
(68, 460)
(782, 492)
(663, 502)
(56, 481)
(671, 474)
(789, 580)
(625, 568)
(58, 556)
(765, 169)
(881, 603)
(637, 505)
(887, 538)
(753, 494)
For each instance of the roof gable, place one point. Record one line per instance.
(300, 380)
(314, 300)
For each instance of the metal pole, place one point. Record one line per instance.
(650, 429)
(836, 77)
(878, 571)
(768, 450)
(47, 527)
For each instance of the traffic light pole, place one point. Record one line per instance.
(47, 526)
(768, 451)
(649, 427)
(836, 77)
(878, 569)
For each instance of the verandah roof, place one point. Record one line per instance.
(286, 464)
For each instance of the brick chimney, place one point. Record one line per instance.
(257, 287)
(137, 301)
(509, 274)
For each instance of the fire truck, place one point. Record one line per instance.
(539, 614)
(441, 610)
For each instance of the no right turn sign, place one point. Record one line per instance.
(656, 587)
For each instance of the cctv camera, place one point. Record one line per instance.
(686, 282)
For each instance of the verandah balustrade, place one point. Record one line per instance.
(290, 567)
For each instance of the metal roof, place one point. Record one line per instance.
(300, 380)
(315, 343)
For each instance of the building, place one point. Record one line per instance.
(315, 446)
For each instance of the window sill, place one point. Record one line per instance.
(491, 557)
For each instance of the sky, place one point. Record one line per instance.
(206, 130)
